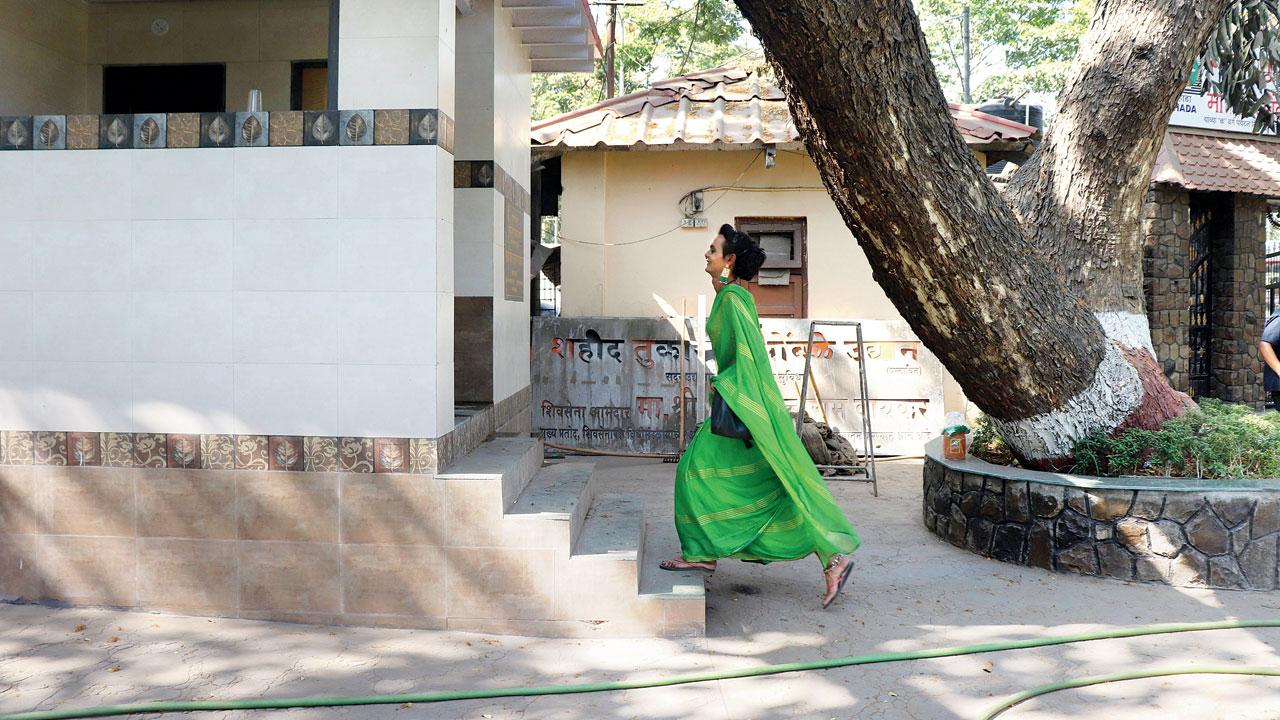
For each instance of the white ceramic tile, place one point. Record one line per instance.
(17, 409)
(286, 182)
(444, 397)
(192, 327)
(80, 255)
(16, 252)
(286, 327)
(16, 326)
(446, 92)
(82, 185)
(474, 269)
(387, 401)
(289, 255)
(388, 181)
(83, 396)
(182, 255)
(445, 195)
(81, 326)
(389, 254)
(286, 399)
(475, 212)
(183, 184)
(391, 18)
(399, 72)
(183, 398)
(16, 190)
(444, 256)
(388, 328)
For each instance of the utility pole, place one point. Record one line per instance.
(611, 51)
(964, 28)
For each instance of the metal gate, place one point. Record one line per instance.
(1201, 280)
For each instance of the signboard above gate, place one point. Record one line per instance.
(1200, 107)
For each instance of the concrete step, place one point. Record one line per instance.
(510, 461)
(560, 493)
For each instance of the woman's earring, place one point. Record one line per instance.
(724, 276)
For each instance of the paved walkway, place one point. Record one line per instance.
(910, 591)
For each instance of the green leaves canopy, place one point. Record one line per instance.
(662, 38)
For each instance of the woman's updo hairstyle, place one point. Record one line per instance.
(749, 255)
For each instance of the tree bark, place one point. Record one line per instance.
(1036, 312)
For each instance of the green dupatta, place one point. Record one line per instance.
(765, 503)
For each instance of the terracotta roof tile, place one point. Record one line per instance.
(726, 105)
(1227, 164)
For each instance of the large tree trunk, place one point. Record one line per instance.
(1037, 312)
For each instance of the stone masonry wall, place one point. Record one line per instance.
(1167, 232)
(1223, 540)
(1239, 299)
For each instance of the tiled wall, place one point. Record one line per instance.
(289, 291)
(257, 39)
(493, 242)
(42, 56)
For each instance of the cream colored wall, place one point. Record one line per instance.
(257, 39)
(42, 53)
(622, 197)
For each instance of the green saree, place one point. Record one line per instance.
(762, 504)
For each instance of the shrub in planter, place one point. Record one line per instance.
(1213, 440)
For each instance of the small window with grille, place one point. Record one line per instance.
(781, 289)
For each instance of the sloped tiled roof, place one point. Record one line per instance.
(1227, 164)
(726, 105)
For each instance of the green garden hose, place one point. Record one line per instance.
(453, 695)
(1122, 677)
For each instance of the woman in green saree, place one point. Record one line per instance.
(762, 501)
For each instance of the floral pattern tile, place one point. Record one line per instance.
(50, 448)
(49, 132)
(251, 452)
(356, 127)
(320, 454)
(285, 452)
(19, 447)
(15, 133)
(184, 451)
(424, 127)
(117, 449)
(150, 450)
(391, 455)
(252, 129)
(355, 454)
(422, 456)
(217, 130)
(115, 132)
(149, 131)
(84, 449)
(217, 452)
(320, 127)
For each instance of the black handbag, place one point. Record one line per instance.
(726, 424)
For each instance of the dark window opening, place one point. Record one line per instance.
(310, 86)
(164, 88)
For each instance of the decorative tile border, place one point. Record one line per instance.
(152, 131)
(489, 174)
(281, 453)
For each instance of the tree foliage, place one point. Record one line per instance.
(1241, 59)
(662, 38)
(1020, 45)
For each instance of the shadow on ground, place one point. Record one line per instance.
(910, 591)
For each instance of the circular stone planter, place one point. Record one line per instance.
(1177, 531)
